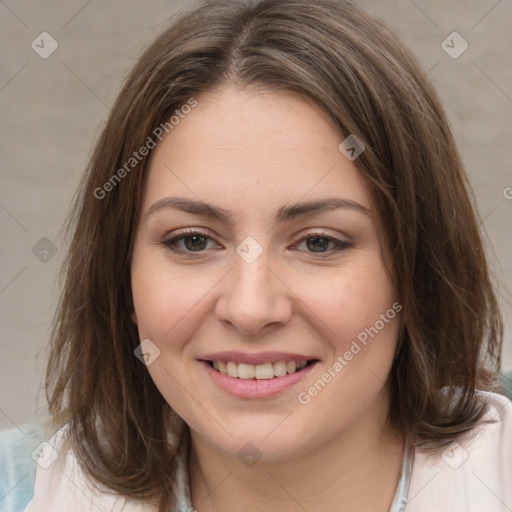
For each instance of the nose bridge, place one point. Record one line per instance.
(254, 297)
(252, 269)
(252, 273)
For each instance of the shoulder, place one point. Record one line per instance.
(61, 485)
(18, 449)
(473, 473)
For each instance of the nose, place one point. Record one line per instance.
(254, 297)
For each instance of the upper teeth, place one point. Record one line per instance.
(258, 371)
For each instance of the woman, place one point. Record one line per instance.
(277, 295)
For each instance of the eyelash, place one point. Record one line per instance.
(339, 245)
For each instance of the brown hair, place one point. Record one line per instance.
(355, 68)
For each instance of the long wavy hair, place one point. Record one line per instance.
(356, 69)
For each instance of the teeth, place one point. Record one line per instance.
(246, 371)
(263, 371)
(279, 368)
(232, 369)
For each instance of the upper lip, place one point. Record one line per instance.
(259, 358)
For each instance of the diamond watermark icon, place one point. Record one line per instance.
(44, 45)
(147, 352)
(249, 455)
(249, 250)
(44, 250)
(45, 455)
(455, 455)
(454, 45)
(351, 147)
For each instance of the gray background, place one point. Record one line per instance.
(52, 109)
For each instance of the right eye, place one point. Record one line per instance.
(188, 241)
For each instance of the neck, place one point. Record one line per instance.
(357, 469)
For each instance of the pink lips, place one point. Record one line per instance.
(253, 388)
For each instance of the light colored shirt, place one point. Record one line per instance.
(471, 475)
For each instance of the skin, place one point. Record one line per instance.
(251, 152)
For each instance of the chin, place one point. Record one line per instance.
(267, 439)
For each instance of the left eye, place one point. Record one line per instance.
(197, 242)
(319, 243)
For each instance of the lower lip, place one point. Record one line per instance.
(253, 388)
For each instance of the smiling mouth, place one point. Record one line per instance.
(263, 371)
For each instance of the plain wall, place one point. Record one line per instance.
(53, 108)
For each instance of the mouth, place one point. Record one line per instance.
(257, 375)
(264, 371)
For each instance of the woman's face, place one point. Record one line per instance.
(255, 271)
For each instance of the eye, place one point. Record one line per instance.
(193, 241)
(318, 242)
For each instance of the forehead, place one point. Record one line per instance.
(251, 148)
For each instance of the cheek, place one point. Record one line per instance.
(168, 306)
(349, 301)
(357, 315)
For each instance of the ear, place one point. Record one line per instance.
(133, 318)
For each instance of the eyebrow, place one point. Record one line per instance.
(284, 213)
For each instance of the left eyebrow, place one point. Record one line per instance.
(284, 213)
(308, 208)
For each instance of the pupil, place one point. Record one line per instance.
(194, 246)
(320, 242)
